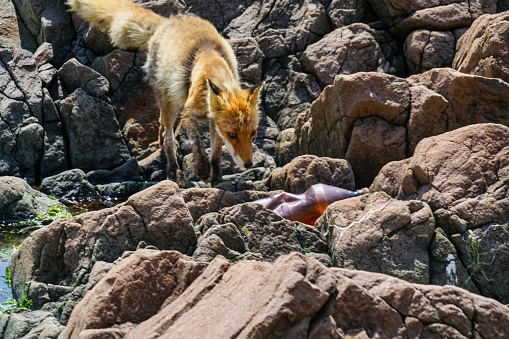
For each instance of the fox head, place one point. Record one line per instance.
(236, 118)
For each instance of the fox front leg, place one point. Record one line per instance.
(216, 150)
(201, 161)
(167, 141)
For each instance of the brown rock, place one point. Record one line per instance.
(64, 252)
(307, 170)
(371, 119)
(472, 99)
(251, 299)
(201, 201)
(294, 297)
(482, 50)
(390, 178)
(425, 50)
(346, 50)
(376, 233)
(462, 176)
(133, 291)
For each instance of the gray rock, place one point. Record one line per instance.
(74, 75)
(122, 190)
(54, 158)
(262, 230)
(250, 57)
(286, 147)
(48, 22)
(22, 68)
(43, 54)
(19, 201)
(446, 266)
(71, 183)
(130, 171)
(30, 324)
(288, 91)
(95, 140)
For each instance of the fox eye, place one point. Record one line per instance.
(253, 134)
(232, 135)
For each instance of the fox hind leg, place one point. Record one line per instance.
(167, 140)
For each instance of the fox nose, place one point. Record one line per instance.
(248, 164)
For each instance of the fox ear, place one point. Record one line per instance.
(215, 89)
(255, 92)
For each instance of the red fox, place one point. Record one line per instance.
(193, 71)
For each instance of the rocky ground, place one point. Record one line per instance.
(408, 98)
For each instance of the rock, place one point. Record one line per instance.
(425, 50)
(9, 31)
(71, 183)
(220, 13)
(19, 201)
(133, 100)
(201, 201)
(48, 22)
(371, 119)
(480, 50)
(346, 50)
(263, 232)
(74, 75)
(306, 170)
(47, 73)
(294, 297)
(122, 295)
(376, 233)
(288, 91)
(378, 304)
(129, 171)
(122, 190)
(326, 129)
(461, 175)
(343, 13)
(62, 255)
(390, 178)
(402, 19)
(95, 140)
(468, 95)
(249, 57)
(294, 283)
(300, 24)
(43, 54)
(286, 147)
(27, 324)
(446, 266)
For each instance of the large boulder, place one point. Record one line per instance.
(377, 233)
(371, 119)
(95, 140)
(462, 175)
(482, 50)
(159, 276)
(294, 297)
(58, 259)
(346, 50)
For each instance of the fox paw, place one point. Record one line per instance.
(202, 168)
(216, 181)
(177, 177)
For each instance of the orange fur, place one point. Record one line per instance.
(193, 70)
